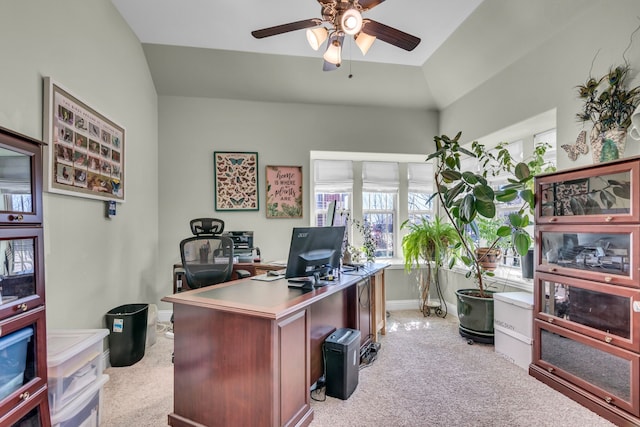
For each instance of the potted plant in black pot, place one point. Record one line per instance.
(425, 248)
(465, 195)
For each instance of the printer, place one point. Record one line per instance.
(243, 245)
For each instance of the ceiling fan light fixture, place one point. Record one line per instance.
(364, 41)
(333, 53)
(351, 22)
(316, 36)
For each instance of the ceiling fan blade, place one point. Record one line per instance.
(390, 35)
(285, 28)
(369, 4)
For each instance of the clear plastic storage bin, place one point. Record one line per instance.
(74, 363)
(84, 410)
(13, 360)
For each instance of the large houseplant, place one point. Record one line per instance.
(608, 104)
(464, 195)
(425, 247)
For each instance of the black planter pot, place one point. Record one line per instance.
(475, 315)
(527, 265)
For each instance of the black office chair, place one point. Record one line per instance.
(207, 257)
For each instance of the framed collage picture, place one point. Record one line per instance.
(284, 191)
(86, 150)
(235, 181)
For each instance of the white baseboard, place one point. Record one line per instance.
(402, 304)
(414, 304)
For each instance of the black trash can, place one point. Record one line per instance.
(127, 326)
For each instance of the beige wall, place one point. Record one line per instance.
(191, 129)
(92, 264)
(546, 77)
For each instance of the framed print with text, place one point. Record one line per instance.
(85, 153)
(284, 191)
(235, 181)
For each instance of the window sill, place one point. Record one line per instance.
(503, 276)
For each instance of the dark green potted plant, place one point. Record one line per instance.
(463, 196)
(427, 245)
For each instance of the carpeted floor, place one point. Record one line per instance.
(425, 375)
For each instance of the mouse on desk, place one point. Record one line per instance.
(273, 273)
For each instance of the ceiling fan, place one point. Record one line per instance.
(344, 18)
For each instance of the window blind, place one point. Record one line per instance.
(420, 177)
(380, 177)
(333, 176)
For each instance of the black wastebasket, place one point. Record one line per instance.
(127, 326)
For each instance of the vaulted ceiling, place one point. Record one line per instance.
(202, 48)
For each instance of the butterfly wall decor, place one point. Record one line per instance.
(236, 181)
(580, 147)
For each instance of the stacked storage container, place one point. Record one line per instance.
(513, 326)
(75, 366)
(13, 360)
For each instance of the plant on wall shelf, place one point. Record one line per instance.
(608, 104)
(606, 101)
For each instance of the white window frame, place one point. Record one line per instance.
(356, 198)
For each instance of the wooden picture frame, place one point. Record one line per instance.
(236, 181)
(284, 191)
(85, 156)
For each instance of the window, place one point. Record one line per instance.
(420, 190)
(371, 187)
(333, 181)
(378, 210)
(380, 184)
(323, 199)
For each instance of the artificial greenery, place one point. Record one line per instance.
(607, 102)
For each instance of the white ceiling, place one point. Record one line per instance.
(204, 48)
(227, 25)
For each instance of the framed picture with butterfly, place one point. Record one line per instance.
(235, 181)
(85, 156)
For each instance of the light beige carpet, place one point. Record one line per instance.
(425, 375)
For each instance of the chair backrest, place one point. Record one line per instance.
(207, 257)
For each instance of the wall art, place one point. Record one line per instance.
(86, 152)
(284, 191)
(236, 181)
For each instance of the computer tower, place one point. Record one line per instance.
(342, 362)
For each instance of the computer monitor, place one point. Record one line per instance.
(314, 250)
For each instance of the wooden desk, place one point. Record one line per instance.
(246, 352)
(254, 268)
